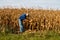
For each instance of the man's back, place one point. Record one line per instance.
(22, 17)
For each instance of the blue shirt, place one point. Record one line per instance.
(22, 17)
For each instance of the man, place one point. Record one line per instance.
(21, 18)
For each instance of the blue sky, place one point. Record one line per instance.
(55, 4)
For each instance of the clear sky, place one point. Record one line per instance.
(31, 3)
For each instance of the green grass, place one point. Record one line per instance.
(49, 35)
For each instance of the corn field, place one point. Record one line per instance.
(37, 20)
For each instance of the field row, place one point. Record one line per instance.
(38, 19)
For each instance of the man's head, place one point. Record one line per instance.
(27, 14)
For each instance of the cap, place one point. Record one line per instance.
(27, 14)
